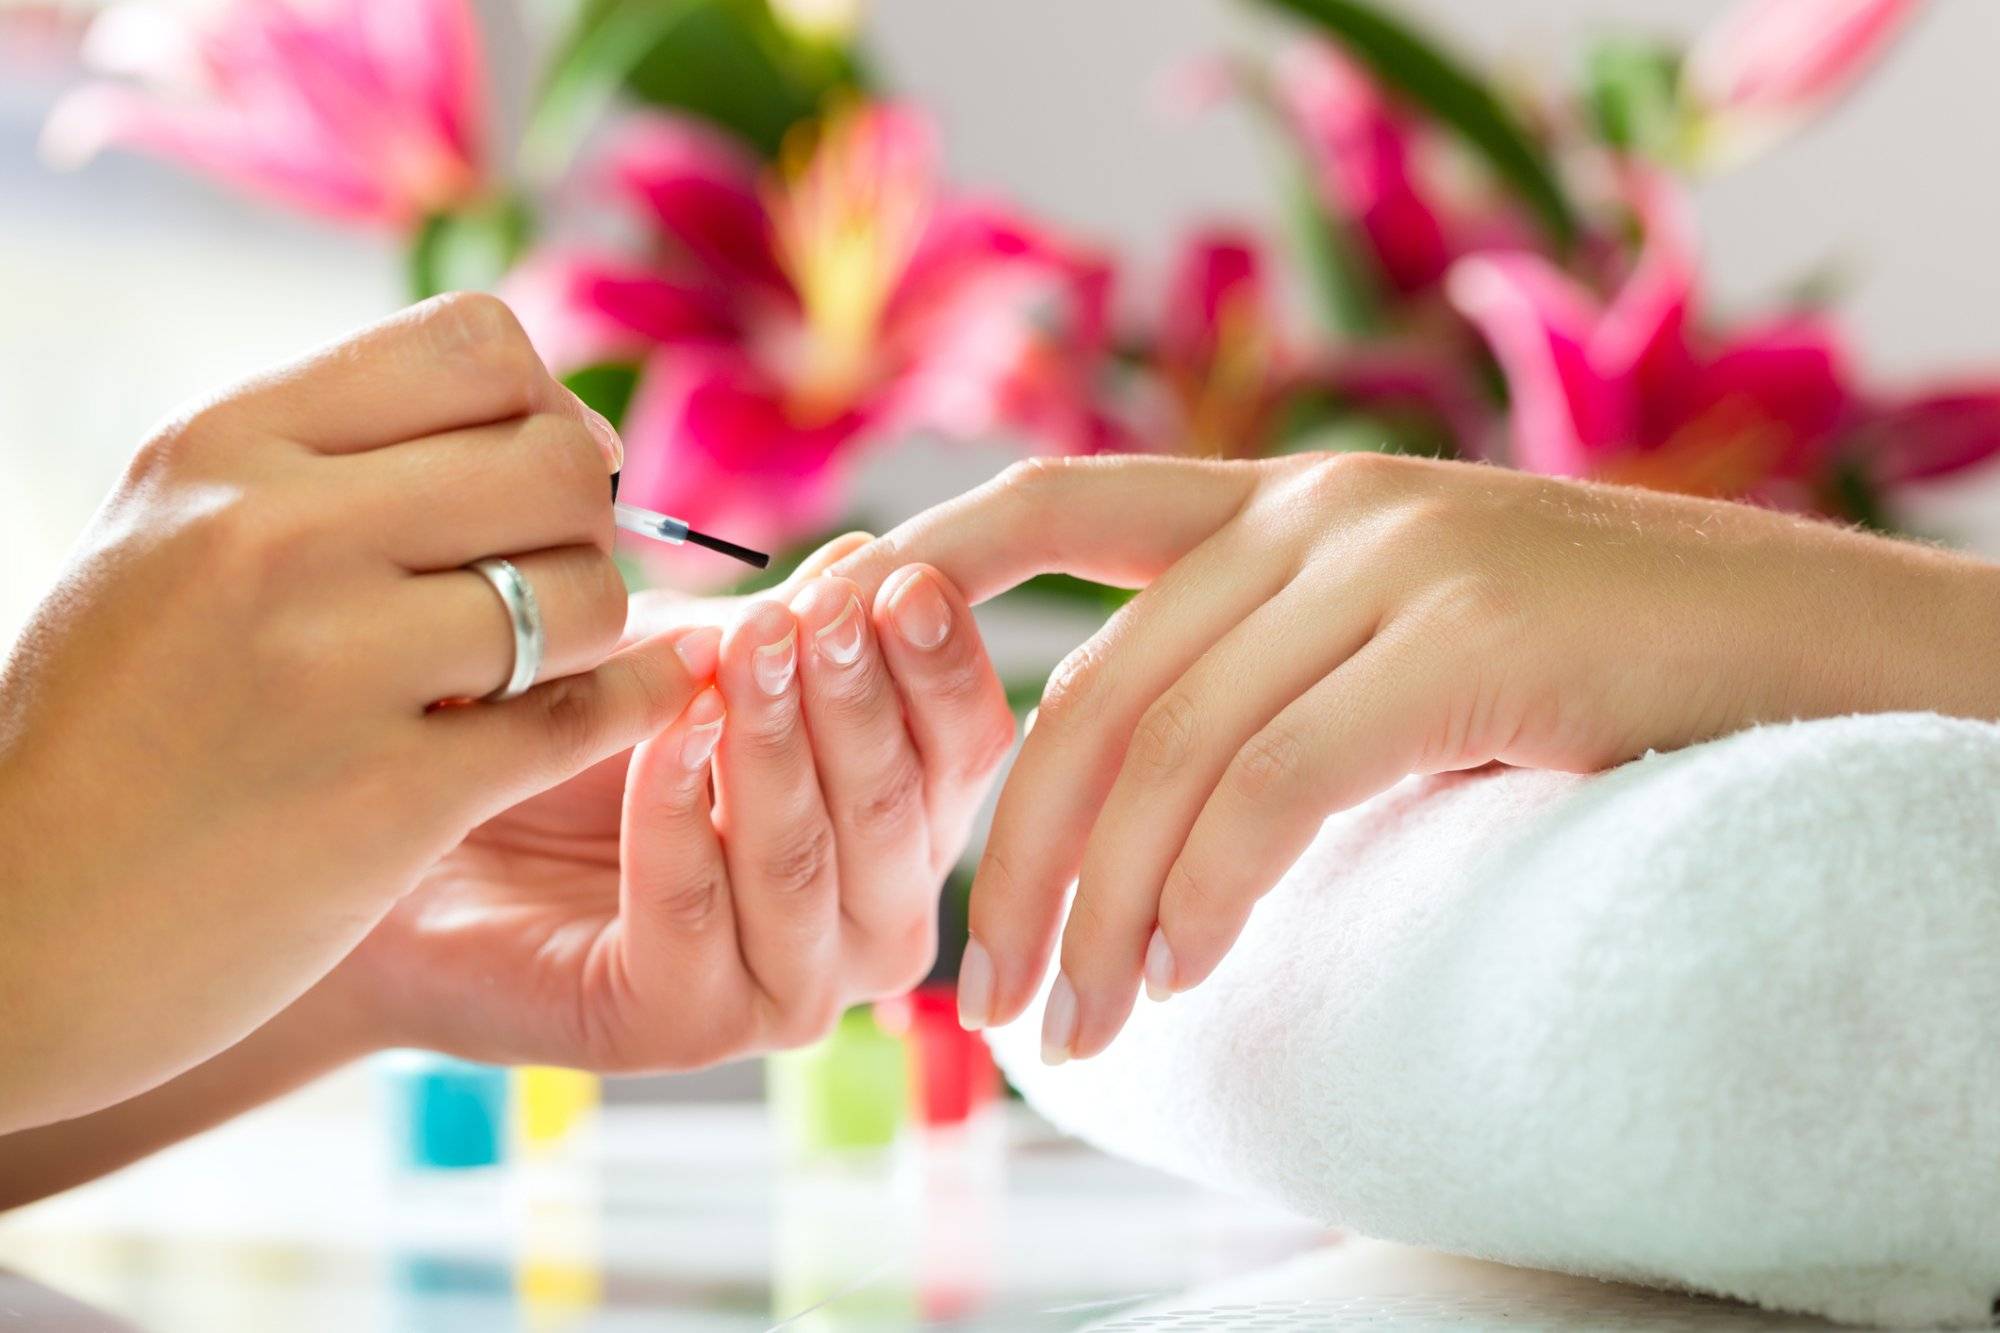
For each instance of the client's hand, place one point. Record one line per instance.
(1312, 629)
(851, 748)
(217, 769)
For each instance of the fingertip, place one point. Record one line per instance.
(700, 651)
(760, 653)
(917, 605)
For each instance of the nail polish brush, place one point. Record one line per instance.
(665, 528)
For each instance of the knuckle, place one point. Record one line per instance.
(892, 804)
(1089, 924)
(770, 739)
(1165, 737)
(570, 711)
(691, 900)
(1267, 765)
(1188, 896)
(473, 323)
(1034, 476)
(995, 896)
(1074, 695)
(800, 861)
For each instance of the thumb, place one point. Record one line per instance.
(563, 727)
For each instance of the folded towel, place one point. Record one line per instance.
(1726, 1019)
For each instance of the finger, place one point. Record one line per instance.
(455, 638)
(777, 838)
(1358, 732)
(953, 702)
(874, 791)
(823, 559)
(497, 754)
(456, 360)
(678, 955)
(1117, 520)
(1179, 751)
(1067, 765)
(519, 485)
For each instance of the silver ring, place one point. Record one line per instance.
(524, 617)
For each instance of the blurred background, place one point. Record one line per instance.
(129, 287)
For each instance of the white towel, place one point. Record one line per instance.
(1725, 1019)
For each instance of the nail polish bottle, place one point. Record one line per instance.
(953, 1075)
(846, 1093)
(444, 1114)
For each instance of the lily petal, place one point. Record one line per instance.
(1567, 415)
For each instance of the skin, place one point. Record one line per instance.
(1312, 629)
(258, 786)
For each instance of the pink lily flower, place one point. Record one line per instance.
(1221, 356)
(785, 320)
(1770, 65)
(1378, 166)
(1228, 369)
(1632, 390)
(1935, 433)
(368, 111)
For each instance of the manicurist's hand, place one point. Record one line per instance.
(218, 763)
(1311, 629)
(730, 886)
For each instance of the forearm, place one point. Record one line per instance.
(325, 1028)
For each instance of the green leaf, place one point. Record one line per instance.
(727, 61)
(610, 42)
(608, 387)
(469, 250)
(1063, 590)
(1633, 89)
(1346, 290)
(1412, 65)
(1851, 493)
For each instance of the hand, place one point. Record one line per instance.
(626, 921)
(216, 758)
(1314, 628)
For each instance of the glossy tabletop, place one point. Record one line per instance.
(688, 1218)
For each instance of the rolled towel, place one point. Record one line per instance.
(1726, 1019)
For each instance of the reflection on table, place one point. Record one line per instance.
(684, 1217)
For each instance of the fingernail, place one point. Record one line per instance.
(704, 729)
(975, 987)
(1159, 968)
(699, 650)
(921, 613)
(1059, 1021)
(840, 642)
(606, 436)
(774, 663)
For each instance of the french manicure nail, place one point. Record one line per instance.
(840, 642)
(1159, 968)
(699, 649)
(606, 436)
(1059, 1021)
(704, 719)
(699, 746)
(921, 614)
(774, 664)
(975, 987)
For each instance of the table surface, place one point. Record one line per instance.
(687, 1218)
